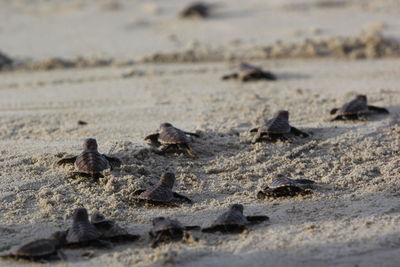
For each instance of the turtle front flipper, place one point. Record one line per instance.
(297, 132)
(189, 151)
(64, 161)
(334, 111)
(225, 229)
(192, 228)
(138, 192)
(378, 109)
(230, 76)
(257, 219)
(192, 134)
(182, 197)
(114, 162)
(254, 130)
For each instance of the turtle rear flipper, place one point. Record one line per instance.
(114, 162)
(122, 238)
(297, 132)
(192, 228)
(378, 109)
(225, 229)
(257, 219)
(65, 161)
(182, 197)
(230, 76)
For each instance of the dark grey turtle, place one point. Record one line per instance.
(168, 230)
(110, 230)
(83, 233)
(356, 109)
(196, 10)
(233, 221)
(282, 186)
(161, 194)
(170, 137)
(249, 72)
(41, 250)
(5, 61)
(90, 163)
(276, 128)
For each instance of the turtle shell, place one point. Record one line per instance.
(195, 10)
(166, 224)
(279, 124)
(37, 248)
(90, 160)
(234, 216)
(170, 135)
(162, 191)
(282, 181)
(282, 186)
(107, 228)
(82, 230)
(355, 106)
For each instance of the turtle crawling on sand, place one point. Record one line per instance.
(276, 128)
(90, 163)
(233, 221)
(161, 194)
(83, 233)
(196, 10)
(169, 138)
(41, 250)
(168, 230)
(356, 109)
(282, 186)
(249, 72)
(110, 230)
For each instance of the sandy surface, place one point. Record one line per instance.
(353, 219)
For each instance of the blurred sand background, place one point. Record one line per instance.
(126, 66)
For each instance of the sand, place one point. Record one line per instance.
(353, 219)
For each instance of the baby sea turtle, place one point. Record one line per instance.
(233, 221)
(41, 250)
(110, 230)
(170, 137)
(168, 230)
(83, 233)
(356, 109)
(196, 10)
(282, 186)
(90, 163)
(161, 194)
(277, 128)
(249, 72)
(5, 61)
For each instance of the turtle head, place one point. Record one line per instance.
(237, 207)
(80, 215)
(97, 217)
(157, 220)
(165, 125)
(168, 178)
(90, 144)
(362, 98)
(284, 114)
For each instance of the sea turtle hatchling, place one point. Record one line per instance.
(161, 194)
(170, 137)
(110, 230)
(356, 109)
(168, 230)
(82, 233)
(282, 186)
(196, 10)
(41, 250)
(233, 221)
(276, 128)
(90, 163)
(249, 72)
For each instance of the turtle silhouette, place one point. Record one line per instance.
(282, 186)
(277, 128)
(233, 221)
(356, 109)
(110, 230)
(171, 138)
(41, 250)
(168, 230)
(196, 10)
(90, 163)
(249, 72)
(161, 194)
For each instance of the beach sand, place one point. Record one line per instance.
(352, 219)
